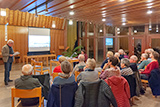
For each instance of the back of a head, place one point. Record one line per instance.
(126, 62)
(155, 55)
(150, 50)
(61, 59)
(116, 54)
(81, 57)
(134, 58)
(27, 69)
(145, 55)
(91, 63)
(109, 53)
(66, 67)
(114, 60)
(10, 41)
(121, 51)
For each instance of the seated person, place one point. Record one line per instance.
(126, 70)
(126, 54)
(112, 69)
(143, 61)
(57, 69)
(109, 54)
(85, 55)
(65, 77)
(27, 82)
(90, 75)
(80, 65)
(133, 63)
(149, 51)
(121, 52)
(152, 65)
(117, 56)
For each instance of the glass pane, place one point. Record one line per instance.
(110, 44)
(123, 31)
(82, 29)
(110, 31)
(155, 29)
(99, 30)
(82, 42)
(91, 48)
(99, 51)
(138, 47)
(90, 29)
(155, 43)
(123, 43)
(138, 30)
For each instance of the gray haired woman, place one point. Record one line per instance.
(126, 70)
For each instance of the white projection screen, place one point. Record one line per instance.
(39, 39)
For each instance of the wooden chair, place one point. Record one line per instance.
(27, 93)
(55, 74)
(32, 62)
(38, 67)
(76, 74)
(99, 74)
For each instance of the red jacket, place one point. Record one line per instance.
(152, 65)
(120, 89)
(57, 69)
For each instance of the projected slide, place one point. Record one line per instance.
(39, 43)
(109, 41)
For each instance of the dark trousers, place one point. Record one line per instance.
(7, 66)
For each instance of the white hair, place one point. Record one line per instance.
(134, 57)
(116, 54)
(81, 57)
(145, 55)
(91, 63)
(121, 51)
(125, 61)
(150, 50)
(10, 41)
(27, 69)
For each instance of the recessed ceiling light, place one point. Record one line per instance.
(71, 13)
(103, 14)
(149, 12)
(149, 7)
(72, 6)
(149, 4)
(103, 20)
(100, 30)
(121, 0)
(118, 29)
(103, 11)
(123, 24)
(135, 31)
(149, 0)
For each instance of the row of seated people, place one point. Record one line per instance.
(89, 83)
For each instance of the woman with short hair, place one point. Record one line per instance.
(143, 61)
(126, 70)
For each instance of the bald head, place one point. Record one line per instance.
(27, 69)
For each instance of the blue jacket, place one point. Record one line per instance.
(154, 81)
(106, 61)
(62, 95)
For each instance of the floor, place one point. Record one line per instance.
(145, 100)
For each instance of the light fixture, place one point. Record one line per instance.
(46, 11)
(149, 7)
(118, 32)
(71, 13)
(121, 0)
(157, 29)
(100, 30)
(123, 24)
(72, 6)
(149, 4)
(53, 24)
(118, 29)
(149, 1)
(103, 14)
(90, 22)
(149, 12)
(36, 14)
(103, 11)
(3, 12)
(103, 20)
(70, 22)
(135, 31)
(123, 19)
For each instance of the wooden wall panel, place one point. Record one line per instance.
(2, 36)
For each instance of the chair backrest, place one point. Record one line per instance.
(32, 62)
(55, 74)
(26, 93)
(38, 65)
(76, 74)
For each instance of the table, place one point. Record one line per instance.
(37, 57)
(57, 63)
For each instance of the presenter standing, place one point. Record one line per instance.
(7, 53)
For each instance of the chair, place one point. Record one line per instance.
(55, 74)
(38, 67)
(76, 74)
(27, 93)
(32, 62)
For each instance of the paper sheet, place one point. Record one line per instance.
(16, 53)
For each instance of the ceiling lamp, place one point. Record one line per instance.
(46, 8)
(157, 29)
(72, 6)
(3, 12)
(123, 24)
(71, 13)
(118, 29)
(103, 20)
(149, 12)
(149, 1)
(53, 24)
(121, 0)
(135, 31)
(149, 7)
(70, 22)
(100, 30)
(149, 4)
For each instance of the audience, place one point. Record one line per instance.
(143, 61)
(112, 69)
(90, 75)
(81, 64)
(152, 65)
(109, 54)
(64, 77)
(149, 51)
(126, 54)
(117, 56)
(126, 70)
(57, 69)
(26, 81)
(121, 52)
(133, 63)
(85, 55)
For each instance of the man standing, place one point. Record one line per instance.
(7, 53)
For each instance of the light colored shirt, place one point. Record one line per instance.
(143, 64)
(79, 66)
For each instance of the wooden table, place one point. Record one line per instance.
(37, 57)
(57, 63)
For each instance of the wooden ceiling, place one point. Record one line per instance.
(132, 12)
